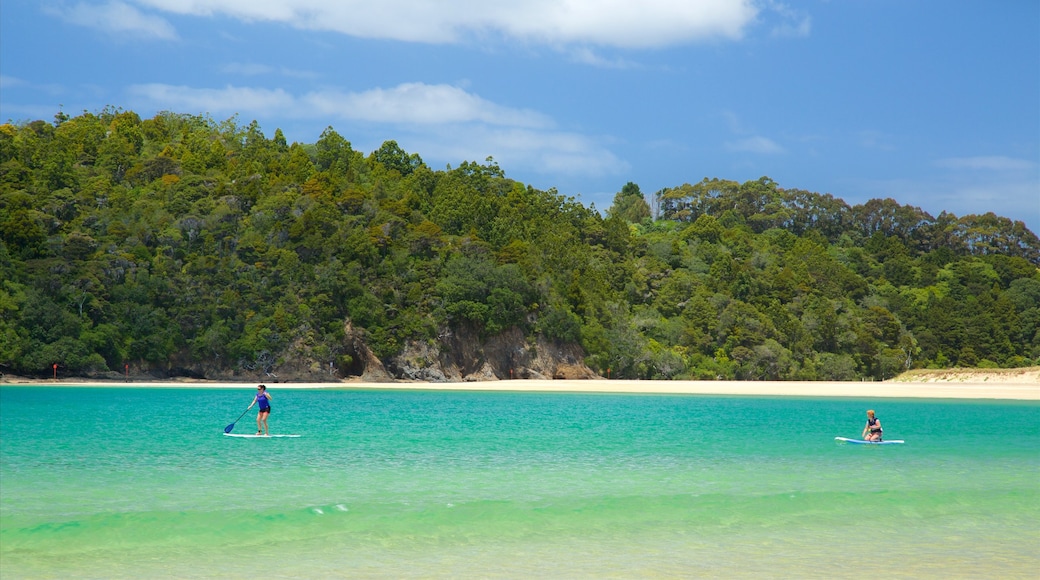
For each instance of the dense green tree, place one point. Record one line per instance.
(391, 156)
(177, 240)
(629, 204)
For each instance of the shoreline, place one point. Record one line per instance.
(1017, 388)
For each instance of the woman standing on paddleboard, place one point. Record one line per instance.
(872, 432)
(263, 398)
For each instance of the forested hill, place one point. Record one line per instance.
(181, 245)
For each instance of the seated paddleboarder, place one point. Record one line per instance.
(263, 398)
(872, 431)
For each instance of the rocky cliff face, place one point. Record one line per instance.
(463, 356)
(459, 355)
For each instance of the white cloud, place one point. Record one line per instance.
(420, 103)
(793, 23)
(250, 69)
(734, 122)
(585, 55)
(117, 18)
(9, 82)
(878, 140)
(233, 99)
(618, 23)
(746, 141)
(990, 163)
(445, 122)
(405, 104)
(798, 29)
(545, 152)
(756, 144)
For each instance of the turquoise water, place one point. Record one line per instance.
(133, 482)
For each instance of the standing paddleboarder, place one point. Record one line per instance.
(262, 398)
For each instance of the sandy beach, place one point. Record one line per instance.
(1013, 384)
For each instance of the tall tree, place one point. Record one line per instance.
(629, 204)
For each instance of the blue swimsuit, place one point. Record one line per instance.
(265, 406)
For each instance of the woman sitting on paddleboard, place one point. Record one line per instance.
(263, 398)
(872, 432)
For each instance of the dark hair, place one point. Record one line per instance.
(264, 387)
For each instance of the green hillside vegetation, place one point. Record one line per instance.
(175, 240)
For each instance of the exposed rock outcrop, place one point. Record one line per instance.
(457, 355)
(370, 367)
(463, 356)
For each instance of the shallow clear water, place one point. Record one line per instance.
(121, 482)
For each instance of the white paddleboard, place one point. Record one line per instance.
(256, 436)
(862, 442)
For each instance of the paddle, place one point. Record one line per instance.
(232, 425)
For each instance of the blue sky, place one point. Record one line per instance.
(934, 103)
